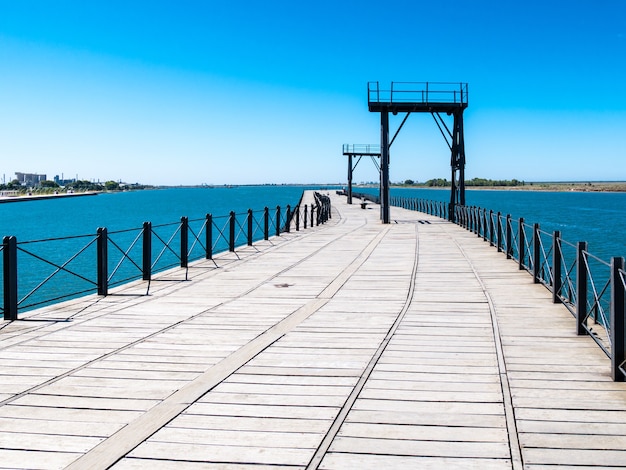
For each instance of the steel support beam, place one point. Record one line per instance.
(384, 165)
(349, 179)
(457, 164)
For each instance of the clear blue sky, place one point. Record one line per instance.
(191, 92)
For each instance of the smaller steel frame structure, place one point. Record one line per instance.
(360, 151)
(422, 97)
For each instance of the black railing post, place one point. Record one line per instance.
(617, 319)
(297, 209)
(250, 225)
(491, 240)
(521, 242)
(102, 262)
(231, 231)
(288, 219)
(10, 277)
(557, 259)
(305, 215)
(184, 242)
(209, 236)
(266, 223)
(499, 231)
(312, 211)
(147, 252)
(485, 225)
(509, 237)
(536, 253)
(277, 221)
(581, 288)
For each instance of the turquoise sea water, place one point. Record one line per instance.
(119, 211)
(598, 218)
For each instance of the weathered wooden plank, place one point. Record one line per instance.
(37, 460)
(492, 450)
(424, 433)
(349, 461)
(221, 454)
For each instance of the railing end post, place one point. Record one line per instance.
(10, 277)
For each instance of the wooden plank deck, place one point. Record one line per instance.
(349, 345)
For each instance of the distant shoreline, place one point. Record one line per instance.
(39, 197)
(612, 187)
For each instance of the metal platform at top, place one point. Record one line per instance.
(417, 97)
(372, 150)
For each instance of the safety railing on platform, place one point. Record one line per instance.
(418, 92)
(56, 269)
(592, 289)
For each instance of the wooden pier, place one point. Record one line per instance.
(350, 345)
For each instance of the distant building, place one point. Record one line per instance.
(63, 182)
(29, 179)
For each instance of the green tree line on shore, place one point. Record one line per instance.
(48, 186)
(481, 182)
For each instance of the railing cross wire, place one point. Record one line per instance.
(166, 244)
(59, 268)
(125, 254)
(196, 236)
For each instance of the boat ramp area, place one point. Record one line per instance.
(353, 344)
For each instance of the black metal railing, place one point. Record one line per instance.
(42, 272)
(418, 92)
(592, 289)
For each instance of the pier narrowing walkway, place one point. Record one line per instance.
(349, 345)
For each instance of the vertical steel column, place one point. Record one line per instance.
(457, 164)
(266, 223)
(250, 220)
(557, 259)
(305, 215)
(231, 231)
(102, 264)
(277, 221)
(384, 165)
(288, 219)
(581, 288)
(184, 242)
(10, 277)
(209, 236)
(147, 251)
(461, 155)
(536, 253)
(350, 179)
(617, 319)
(312, 211)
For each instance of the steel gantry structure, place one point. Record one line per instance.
(360, 151)
(421, 97)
